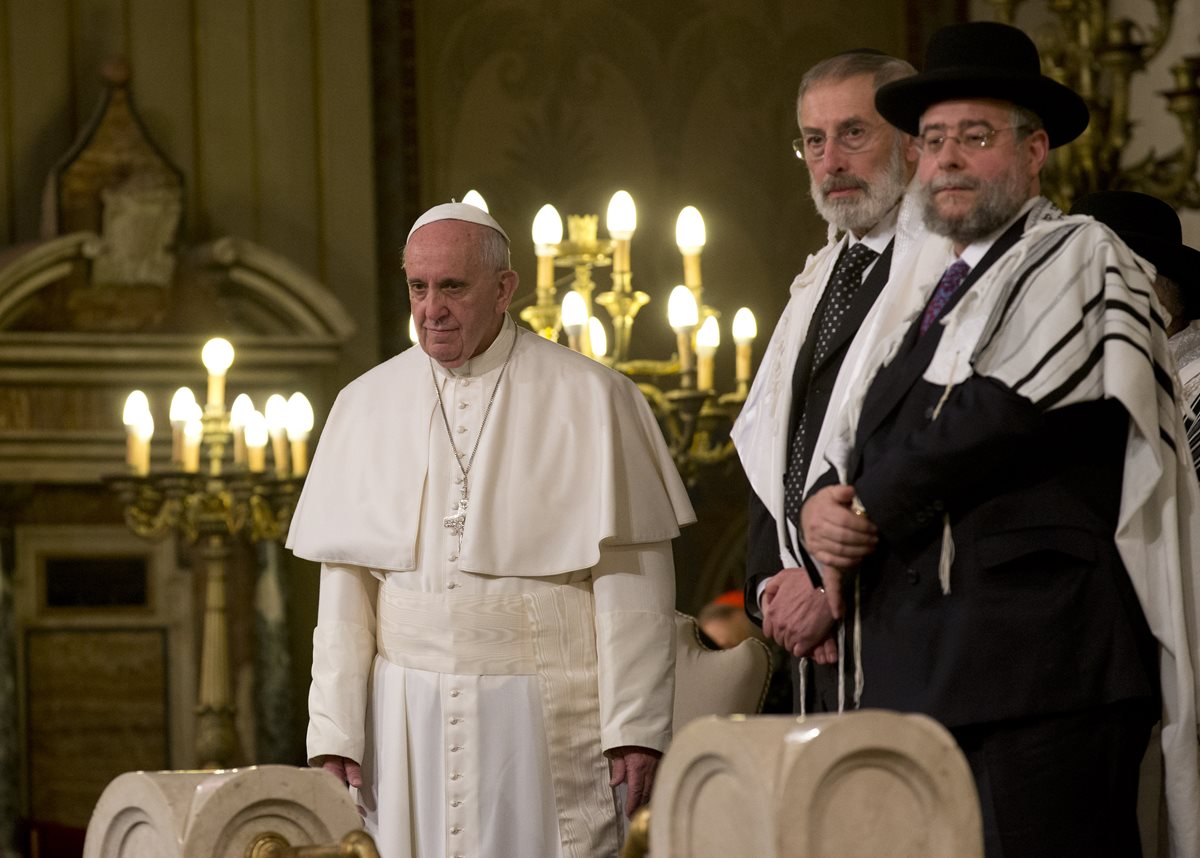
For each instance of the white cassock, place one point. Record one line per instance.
(479, 683)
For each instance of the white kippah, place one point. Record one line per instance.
(457, 211)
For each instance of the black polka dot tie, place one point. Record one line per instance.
(828, 320)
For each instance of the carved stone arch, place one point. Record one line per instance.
(281, 287)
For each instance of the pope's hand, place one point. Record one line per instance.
(346, 770)
(796, 615)
(634, 767)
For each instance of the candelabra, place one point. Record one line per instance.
(694, 416)
(1098, 57)
(212, 507)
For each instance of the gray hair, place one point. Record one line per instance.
(1024, 122)
(493, 251)
(841, 67)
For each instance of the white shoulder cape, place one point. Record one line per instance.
(571, 458)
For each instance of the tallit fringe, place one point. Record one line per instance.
(859, 678)
(946, 558)
(840, 669)
(803, 686)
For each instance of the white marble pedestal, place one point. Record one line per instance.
(217, 814)
(860, 785)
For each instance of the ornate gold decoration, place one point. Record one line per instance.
(696, 422)
(210, 506)
(1098, 56)
(356, 844)
(637, 841)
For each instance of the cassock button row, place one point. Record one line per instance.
(452, 585)
(454, 776)
(464, 405)
(455, 720)
(455, 692)
(456, 803)
(461, 429)
(456, 830)
(455, 748)
(453, 556)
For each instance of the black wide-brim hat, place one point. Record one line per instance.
(1152, 230)
(984, 59)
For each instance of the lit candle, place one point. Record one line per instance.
(547, 235)
(621, 220)
(690, 238)
(238, 414)
(474, 198)
(599, 339)
(299, 424)
(256, 442)
(683, 315)
(193, 429)
(183, 403)
(412, 330)
(277, 426)
(217, 357)
(143, 431)
(136, 404)
(574, 317)
(707, 340)
(745, 329)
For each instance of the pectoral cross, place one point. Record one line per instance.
(456, 520)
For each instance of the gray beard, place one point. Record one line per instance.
(880, 194)
(996, 204)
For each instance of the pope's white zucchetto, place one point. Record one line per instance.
(457, 211)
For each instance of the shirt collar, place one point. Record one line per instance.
(878, 236)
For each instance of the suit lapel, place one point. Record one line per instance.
(894, 381)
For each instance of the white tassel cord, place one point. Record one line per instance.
(946, 558)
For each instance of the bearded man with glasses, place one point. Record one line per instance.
(1011, 494)
(859, 167)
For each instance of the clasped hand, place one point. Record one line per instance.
(836, 537)
(796, 616)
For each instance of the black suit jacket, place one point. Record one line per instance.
(1041, 616)
(811, 388)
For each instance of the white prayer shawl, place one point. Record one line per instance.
(1066, 316)
(761, 431)
(1185, 349)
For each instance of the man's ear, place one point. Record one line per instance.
(911, 153)
(1037, 144)
(509, 280)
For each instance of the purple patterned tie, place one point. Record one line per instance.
(946, 287)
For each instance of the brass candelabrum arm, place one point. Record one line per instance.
(153, 524)
(356, 844)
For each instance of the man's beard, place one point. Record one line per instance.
(995, 204)
(860, 213)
